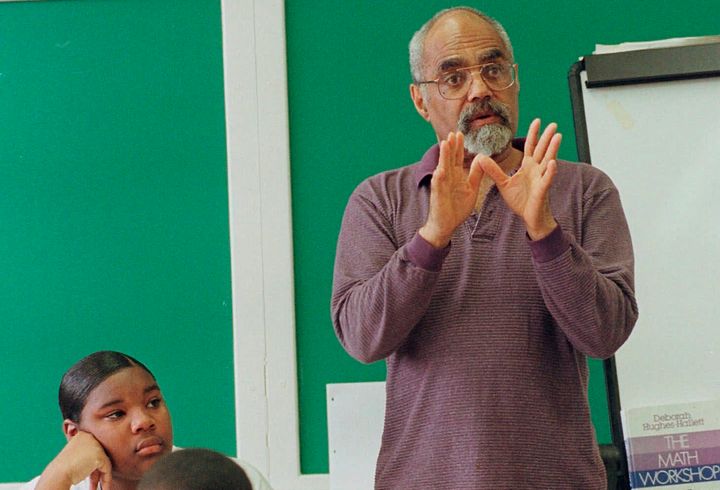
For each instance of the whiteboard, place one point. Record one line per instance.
(660, 144)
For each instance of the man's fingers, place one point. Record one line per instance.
(542, 146)
(456, 150)
(442, 167)
(547, 177)
(531, 139)
(442, 160)
(554, 147)
(476, 172)
(450, 148)
(460, 148)
(491, 169)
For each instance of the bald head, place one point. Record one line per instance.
(417, 43)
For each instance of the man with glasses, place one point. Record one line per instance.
(484, 274)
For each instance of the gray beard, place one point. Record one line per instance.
(490, 139)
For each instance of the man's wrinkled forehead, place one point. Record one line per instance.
(454, 61)
(461, 39)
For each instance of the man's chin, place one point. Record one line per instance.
(488, 150)
(491, 139)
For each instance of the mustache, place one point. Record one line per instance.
(483, 107)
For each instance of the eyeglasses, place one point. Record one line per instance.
(454, 84)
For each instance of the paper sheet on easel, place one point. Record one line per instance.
(662, 43)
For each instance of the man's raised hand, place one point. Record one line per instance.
(526, 191)
(453, 191)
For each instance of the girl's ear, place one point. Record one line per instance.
(70, 429)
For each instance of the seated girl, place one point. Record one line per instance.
(117, 426)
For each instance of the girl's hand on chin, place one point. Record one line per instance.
(82, 457)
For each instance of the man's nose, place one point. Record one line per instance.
(478, 88)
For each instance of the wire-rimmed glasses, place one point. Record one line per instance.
(454, 84)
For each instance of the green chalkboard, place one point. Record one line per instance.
(113, 211)
(351, 117)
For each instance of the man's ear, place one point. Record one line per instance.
(70, 429)
(419, 101)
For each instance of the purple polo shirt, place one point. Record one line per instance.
(485, 340)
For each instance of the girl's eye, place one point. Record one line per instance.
(115, 415)
(155, 402)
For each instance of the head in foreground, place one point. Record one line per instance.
(195, 469)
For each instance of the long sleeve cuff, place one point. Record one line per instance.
(422, 254)
(550, 247)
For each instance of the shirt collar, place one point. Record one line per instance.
(424, 169)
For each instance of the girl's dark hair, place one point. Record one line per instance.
(85, 375)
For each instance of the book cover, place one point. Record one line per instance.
(676, 446)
